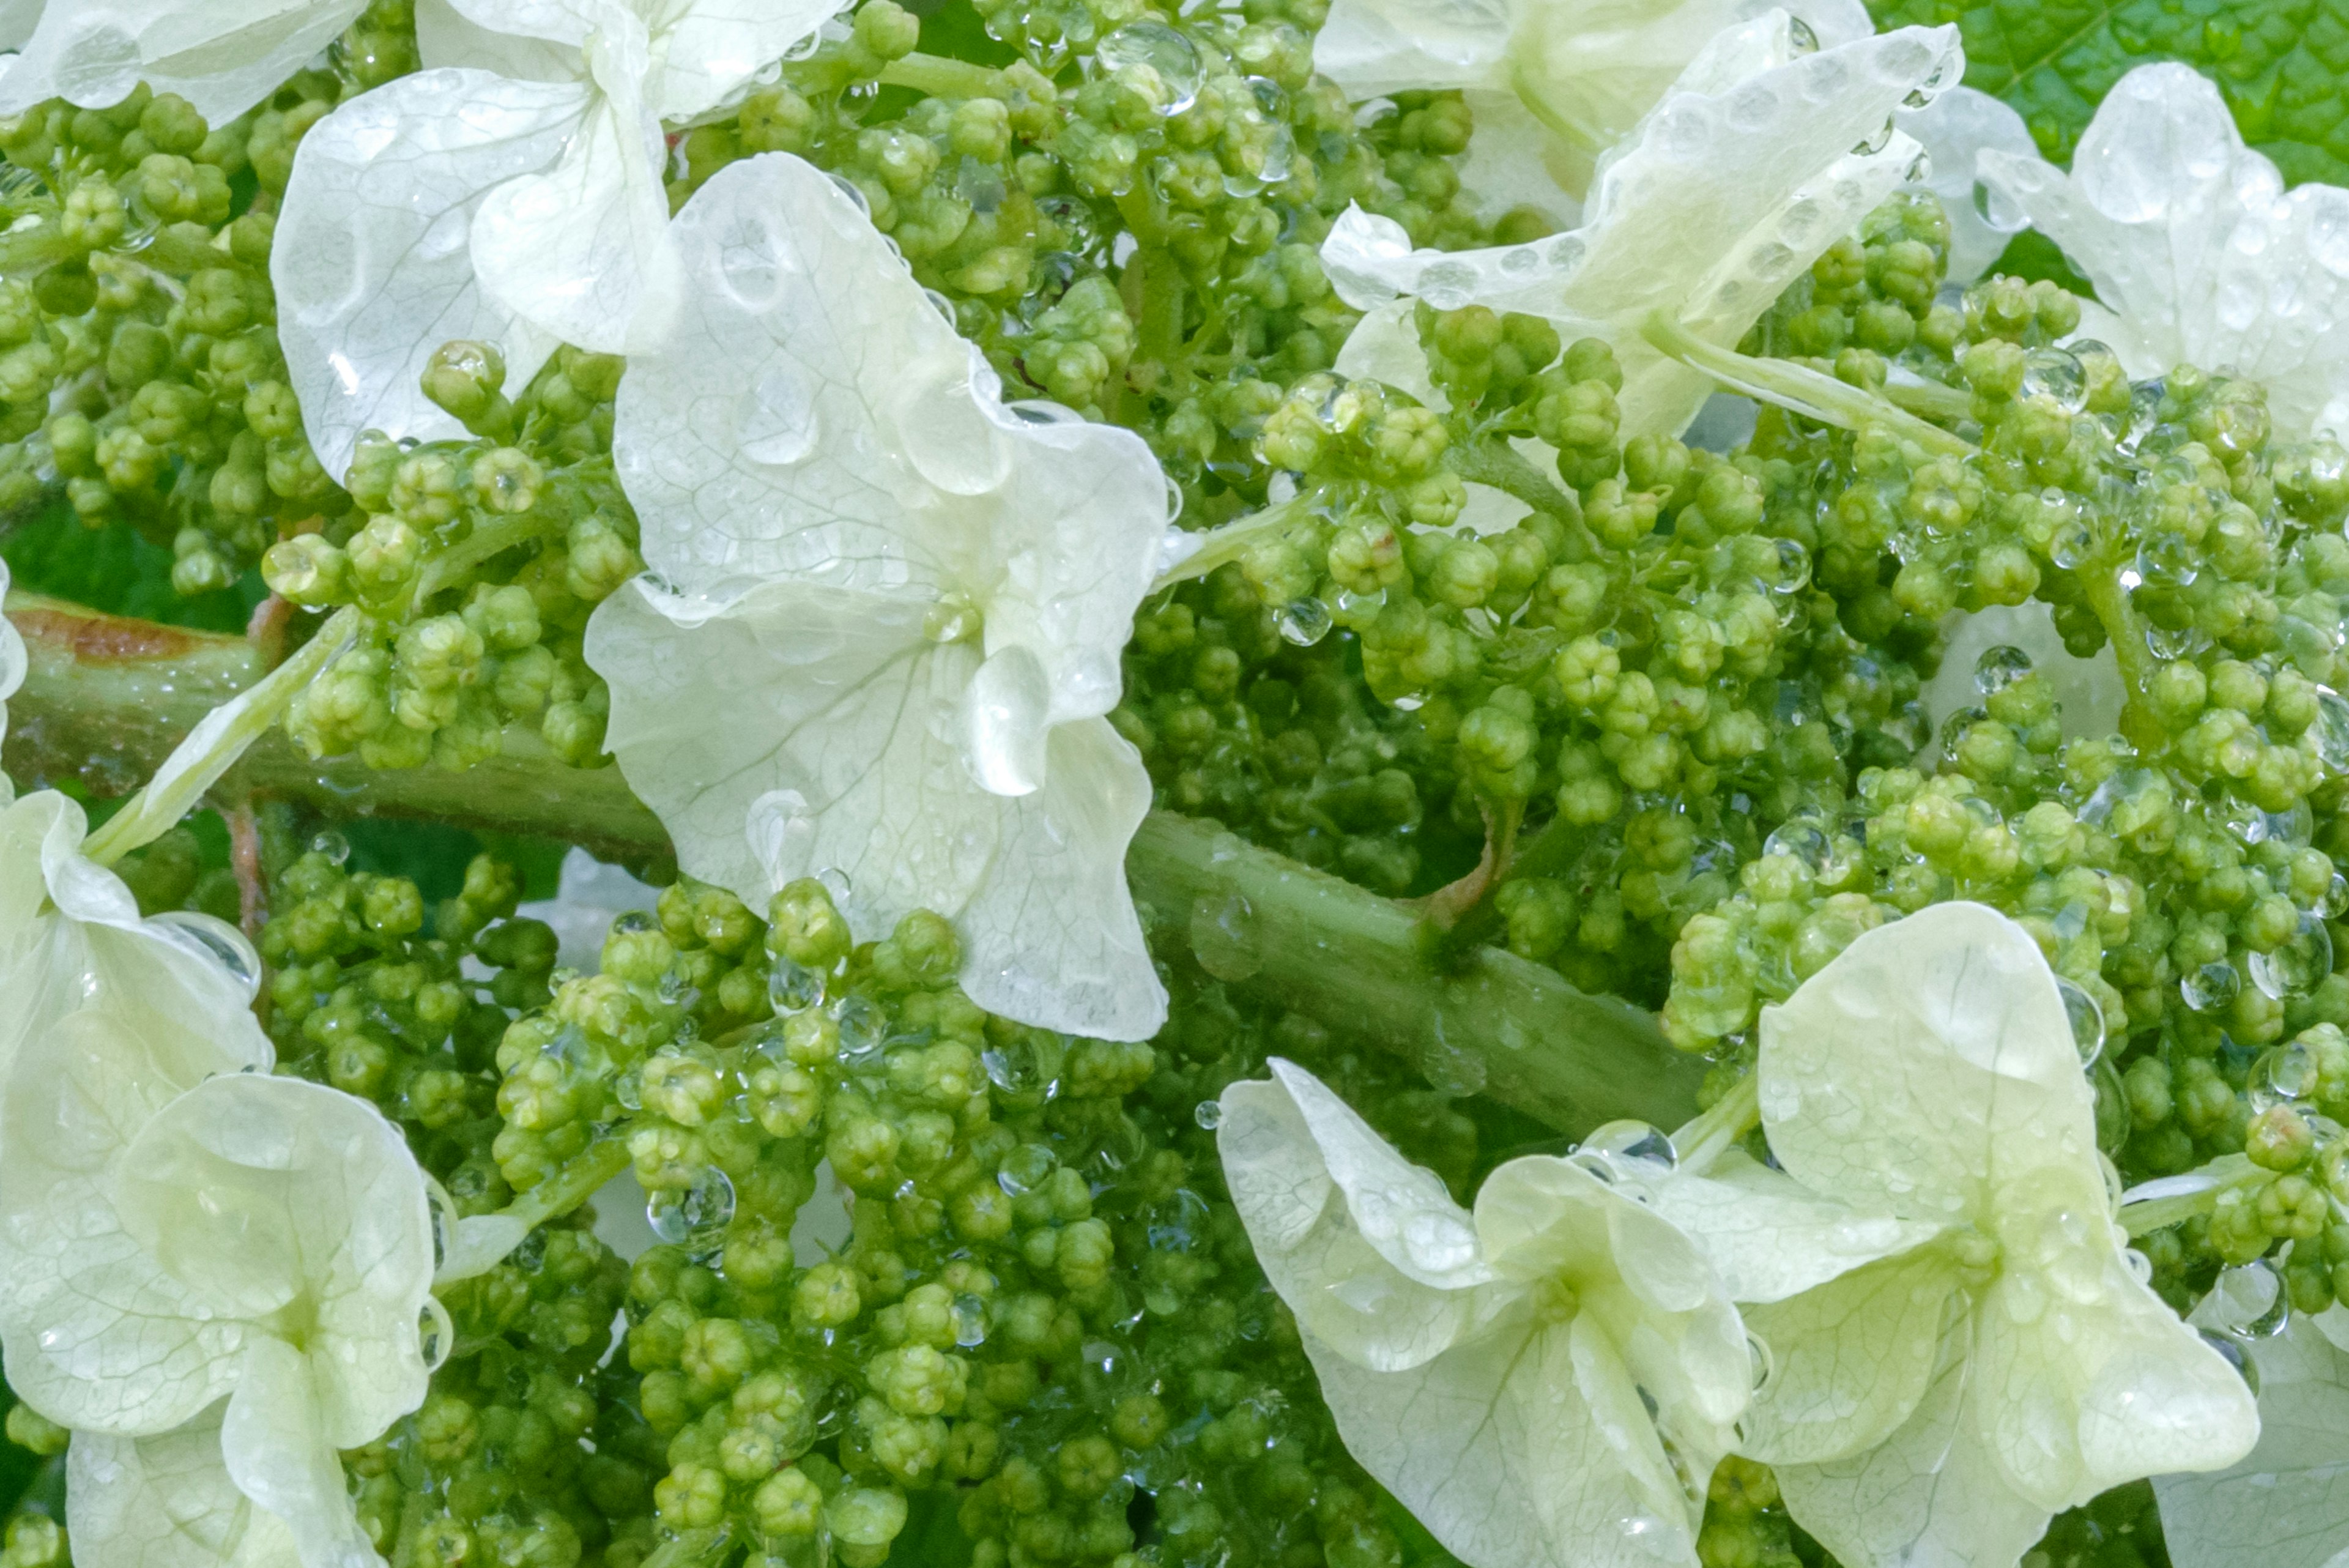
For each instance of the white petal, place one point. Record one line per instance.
(373, 263)
(2192, 244)
(1367, 1248)
(99, 1336)
(1928, 1498)
(1850, 1358)
(2089, 692)
(12, 676)
(18, 19)
(714, 47)
(566, 23)
(2089, 1381)
(1051, 936)
(588, 898)
(1768, 1236)
(1717, 201)
(2286, 1503)
(814, 415)
(1375, 46)
(167, 1501)
(279, 1444)
(446, 36)
(581, 251)
(1952, 129)
(1515, 161)
(222, 56)
(1930, 1069)
(262, 1192)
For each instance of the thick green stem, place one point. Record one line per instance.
(1796, 388)
(1935, 402)
(106, 700)
(941, 77)
(2228, 1173)
(588, 1173)
(1497, 463)
(1220, 546)
(2101, 585)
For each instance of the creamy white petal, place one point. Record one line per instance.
(222, 56)
(588, 897)
(1375, 46)
(716, 47)
(271, 1196)
(1929, 1497)
(2286, 1503)
(1515, 161)
(1368, 1250)
(2194, 247)
(99, 1336)
(373, 262)
(167, 1501)
(1768, 1236)
(1717, 201)
(448, 36)
(280, 1450)
(1930, 1069)
(1850, 1359)
(1953, 130)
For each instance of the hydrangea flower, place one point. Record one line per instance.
(1545, 1383)
(1551, 86)
(512, 194)
(1942, 1403)
(167, 1501)
(1733, 185)
(2198, 253)
(249, 1251)
(222, 56)
(885, 610)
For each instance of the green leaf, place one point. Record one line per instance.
(2284, 65)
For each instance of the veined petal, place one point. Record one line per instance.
(167, 1501)
(1850, 1359)
(374, 265)
(280, 1450)
(290, 1203)
(1930, 1069)
(2286, 1503)
(1953, 130)
(1929, 1497)
(1768, 1236)
(448, 36)
(813, 416)
(222, 56)
(582, 250)
(715, 47)
(2194, 247)
(99, 1336)
(1717, 201)
(1367, 1248)
(1375, 46)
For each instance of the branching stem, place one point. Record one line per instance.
(1798, 389)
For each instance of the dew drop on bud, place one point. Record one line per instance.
(1800, 37)
(2055, 374)
(2295, 965)
(2281, 1076)
(1628, 1141)
(1303, 622)
(1999, 667)
(332, 845)
(1167, 53)
(2211, 987)
(697, 1215)
(2086, 1016)
(1225, 936)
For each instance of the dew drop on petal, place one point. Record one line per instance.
(2232, 1352)
(435, 1336)
(2086, 1016)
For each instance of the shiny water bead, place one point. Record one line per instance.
(2055, 374)
(1625, 1140)
(1208, 1114)
(1999, 667)
(2331, 731)
(435, 1334)
(2211, 987)
(2168, 559)
(2283, 1075)
(2231, 1351)
(793, 987)
(2251, 1299)
(862, 1029)
(696, 1216)
(2297, 964)
(332, 845)
(1303, 622)
(1173, 58)
(2087, 1016)
(1226, 936)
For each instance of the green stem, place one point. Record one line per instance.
(456, 563)
(127, 691)
(1792, 387)
(2228, 1173)
(1220, 546)
(1715, 1131)
(1497, 463)
(2101, 585)
(587, 1174)
(940, 78)
(214, 744)
(1933, 401)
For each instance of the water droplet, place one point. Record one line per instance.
(1025, 1168)
(970, 1321)
(2281, 1076)
(435, 1334)
(1226, 937)
(2255, 1295)
(2087, 1018)
(793, 987)
(862, 1029)
(2183, 643)
(2054, 373)
(1999, 667)
(2210, 988)
(1764, 1364)
(2297, 963)
(2073, 543)
(1304, 621)
(1794, 567)
(1800, 38)
(332, 845)
(628, 1088)
(1625, 1144)
(1208, 1114)
(1026, 1069)
(777, 420)
(1827, 856)
(219, 942)
(2334, 902)
(1173, 58)
(1876, 142)
(2332, 728)
(696, 1216)
(2231, 1351)
(2167, 558)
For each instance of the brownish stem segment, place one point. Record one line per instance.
(106, 698)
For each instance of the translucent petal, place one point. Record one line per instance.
(715, 47)
(272, 1195)
(588, 897)
(1930, 1069)
(17, 20)
(167, 1501)
(813, 416)
(12, 676)
(279, 1444)
(1767, 1235)
(1953, 130)
(581, 250)
(1515, 161)
(99, 1336)
(2089, 690)
(2286, 1503)
(222, 56)
(1850, 1359)
(1372, 47)
(1719, 200)
(1928, 1495)
(373, 262)
(1369, 1250)
(446, 36)
(2194, 247)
